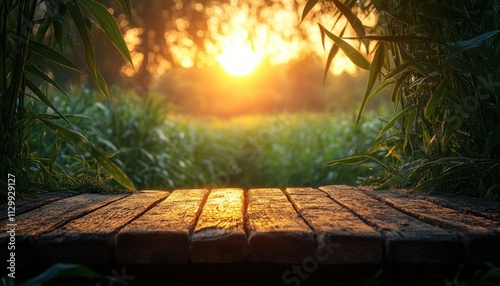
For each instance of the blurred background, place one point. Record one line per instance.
(220, 93)
(226, 58)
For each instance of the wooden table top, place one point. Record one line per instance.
(330, 225)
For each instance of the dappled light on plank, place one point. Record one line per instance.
(219, 235)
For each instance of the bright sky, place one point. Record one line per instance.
(240, 42)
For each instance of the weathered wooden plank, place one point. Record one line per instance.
(90, 239)
(477, 206)
(480, 236)
(29, 226)
(30, 202)
(407, 239)
(162, 234)
(341, 236)
(276, 233)
(219, 235)
(49, 217)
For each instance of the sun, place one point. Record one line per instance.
(238, 59)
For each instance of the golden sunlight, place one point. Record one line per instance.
(239, 37)
(238, 59)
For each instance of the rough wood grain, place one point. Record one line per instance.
(219, 236)
(480, 236)
(90, 239)
(30, 225)
(276, 233)
(407, 240)
(30, 202)
(477, 206)
(162, 234)
(340, 235)
(51, 216)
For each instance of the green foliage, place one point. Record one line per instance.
(441, 59)
(157, 150)
(34, 29)
(60, 271)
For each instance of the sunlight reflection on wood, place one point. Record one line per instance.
(219, 235)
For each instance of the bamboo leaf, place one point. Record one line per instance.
(127, 7)
(73, 136)
(398, 87)
(408, 66)
(435, 99)
(460, 171)
(43, 98)
(58, 19)
(400, 39)
(61, 270)
(420, 29)
(108, 24)
(437, 11)
(333, 51)
(381, 87)
(397, 180)
(462, 46)
(354, 160)
(54, 151)
(309, 5)
(53, 55)
(356, 24)
(81, 25)
(356, 57)
(322, 35)
(347, 161)
(394, 119)
(376, 67)
(34, 70)
(58, 34)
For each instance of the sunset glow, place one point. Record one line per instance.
(238, 59)
(239, 37)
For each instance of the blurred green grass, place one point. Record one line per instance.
(161, 150)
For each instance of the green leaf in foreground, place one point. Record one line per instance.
(354, 55)
(333, 51)
(77, 138)
(460, 171)
(462, 46)
(356, 24)
(83, 30)
(62, 270)
(127, 7)
(108, 24)
(309, 5)
(435, 99)
(395, 119)
(53, 55)
(376, 67)
(43, 98)
(353, 160)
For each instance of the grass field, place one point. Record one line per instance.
(160, 150)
